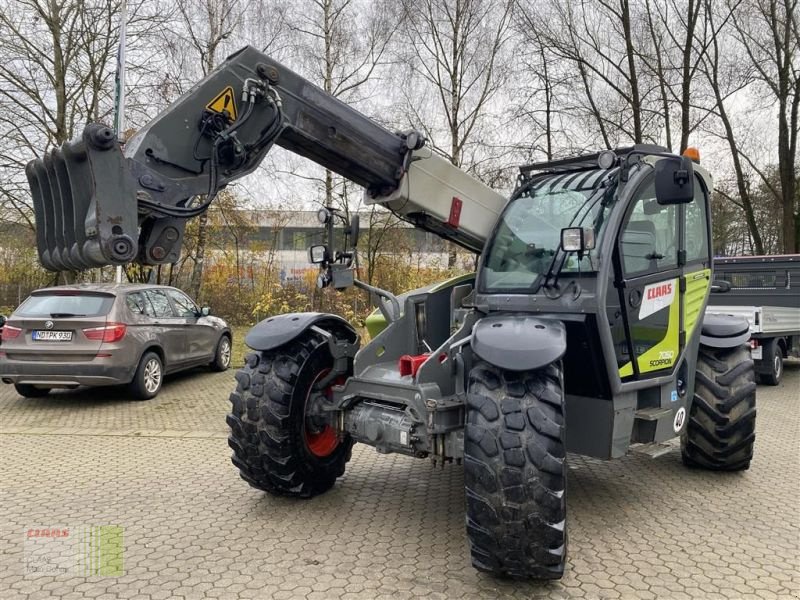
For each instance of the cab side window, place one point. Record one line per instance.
(696, 221)
(160, 302)
(649, 238)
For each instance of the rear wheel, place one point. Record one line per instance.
(515, 472)
(722, 420)
(149, 377)
(772, 362)
(31, 391)
(282, 437)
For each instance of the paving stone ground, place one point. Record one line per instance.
(393, 527)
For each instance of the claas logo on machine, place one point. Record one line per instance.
(224, 102)
(659, 291)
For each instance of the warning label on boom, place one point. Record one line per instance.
(224, 102)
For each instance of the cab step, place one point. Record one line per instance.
(653, 414)
(653, 450)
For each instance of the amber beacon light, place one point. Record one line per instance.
(693, 153)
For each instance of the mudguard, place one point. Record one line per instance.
(724, 331)
(278, 330)
(519, 342)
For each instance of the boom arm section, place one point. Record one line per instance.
(96, 204)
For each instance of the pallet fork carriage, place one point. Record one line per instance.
(582, 330)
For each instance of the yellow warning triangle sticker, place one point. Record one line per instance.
(224, 102)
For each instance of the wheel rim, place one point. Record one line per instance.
(152, 376)
(777, 366)
(321, 439)
(225, 352)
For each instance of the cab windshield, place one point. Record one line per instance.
(529, 232)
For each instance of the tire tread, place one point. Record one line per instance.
(515, 472)
(720, 433)
(266, 449)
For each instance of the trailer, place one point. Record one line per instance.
(765, 290)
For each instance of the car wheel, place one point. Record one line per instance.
(772, 363)
(149, 377)
(222, 358)
(31, 391)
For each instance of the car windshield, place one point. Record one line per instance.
(65, 304)
(529, 232)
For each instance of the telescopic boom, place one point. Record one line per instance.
(97, 204)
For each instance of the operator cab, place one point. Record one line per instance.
(631, 287)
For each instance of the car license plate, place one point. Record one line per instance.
(41, 335)
(756, 353)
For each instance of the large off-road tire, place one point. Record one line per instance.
(515, 472)
(722, 420)
(772, 363)
(275, 446)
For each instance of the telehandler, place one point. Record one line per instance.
(583, 329)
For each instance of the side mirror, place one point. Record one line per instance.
(318, 254)
(353, 230)
(720, 286)
(3, 320)
(674, 180)
(577, 239)
(205, 311)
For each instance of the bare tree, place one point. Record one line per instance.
(457, 54)
(724, 75)
(456, 49)
(204, 25)
(602, 40)
(56, 74)
(344, 44)
(678, 42)
(769, 31)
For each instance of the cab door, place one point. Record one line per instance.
(696, 259)
(648, 282)
(663, 271)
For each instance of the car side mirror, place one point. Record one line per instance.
(3, 320)
(674, 180)
(205, 311)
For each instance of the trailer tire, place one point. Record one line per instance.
(515, 471)
(273, 444)
(772, 362)
(721, 428)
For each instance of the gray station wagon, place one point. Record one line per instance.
(108, 334)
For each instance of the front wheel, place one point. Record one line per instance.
(515, 471)
(222, 355)
(722, 420)
(282, 437)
